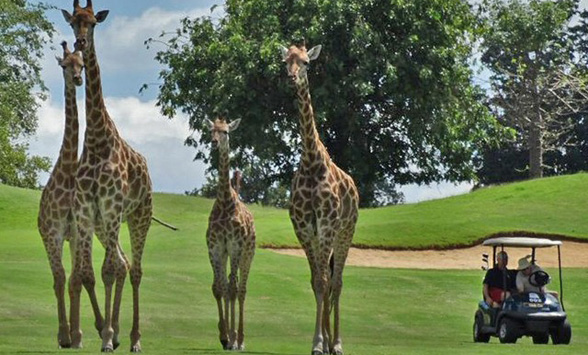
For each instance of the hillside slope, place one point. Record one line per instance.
(550, 206)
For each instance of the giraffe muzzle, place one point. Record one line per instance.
(81, 44)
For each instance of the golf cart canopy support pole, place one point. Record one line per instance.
(560, 279)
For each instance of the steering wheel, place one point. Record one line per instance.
(539, 278)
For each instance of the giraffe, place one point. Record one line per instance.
(112, 185)
(55, 221)
(323, 209)
(230, 235)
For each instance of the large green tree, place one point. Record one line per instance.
(392, 90)
(538, 83)
(24, 30)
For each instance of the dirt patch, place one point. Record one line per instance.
(573, 254)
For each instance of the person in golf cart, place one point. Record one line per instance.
(496, 279)
(523, 282)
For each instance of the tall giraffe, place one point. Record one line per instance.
(230, 235)
(55, 221)
(112, 185)
(324, 205)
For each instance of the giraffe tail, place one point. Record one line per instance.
(165, 224)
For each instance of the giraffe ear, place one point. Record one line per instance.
(233, 125)
(66, 15)
(208, 123)
(284, 52)
(314, 52)
(59, 60)
(101, 16)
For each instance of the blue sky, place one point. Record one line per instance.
(126, 64)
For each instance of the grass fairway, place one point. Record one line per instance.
(384, 311)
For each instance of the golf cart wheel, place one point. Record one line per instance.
(507, 331)
(541, 338)
(562, 334)
(479, 337)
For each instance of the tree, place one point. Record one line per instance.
(538, 85)
(392, 89)
(23, 32)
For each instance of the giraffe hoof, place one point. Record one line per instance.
(136, 348)
(225, 344)
(64, 345)
(107, 349)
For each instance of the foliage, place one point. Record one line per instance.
(24, 30)
(538, 83)
(391, 90)
(252, 189)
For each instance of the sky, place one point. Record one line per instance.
(126, 64)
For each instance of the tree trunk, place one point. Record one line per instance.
(535, 152)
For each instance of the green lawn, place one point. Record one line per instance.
(384, 311)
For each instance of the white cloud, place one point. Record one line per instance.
(120, 43)
(414, 193)
(160, 140)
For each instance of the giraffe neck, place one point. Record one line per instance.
(68, 154)
(312, 147)
(99, 126)
(223, 192)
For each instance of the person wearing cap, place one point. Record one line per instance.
(522, 280)
(495, 281)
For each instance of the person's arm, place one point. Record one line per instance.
(487, 297)
(520, 283)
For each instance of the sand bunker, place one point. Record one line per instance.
(573, 255)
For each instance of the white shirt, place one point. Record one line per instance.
(523, 284)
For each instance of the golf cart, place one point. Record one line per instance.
(539, 315)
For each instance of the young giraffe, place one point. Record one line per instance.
(112, 185)
(55, 221)
(230, 235)
(324, 204)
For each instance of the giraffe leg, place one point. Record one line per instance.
(218, 259)
(75, 289)
(114, 268)
(339, 256)
(54, 247)
(326, 237)
(82, 272)
(327, 319)
(119, 284)
(89, 282)
(246, 260)
(139, 223)
(232, 295)
(321, 280)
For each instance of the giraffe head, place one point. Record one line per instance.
(72, 64)
(220, 132)
(83, 22)
(297, 59)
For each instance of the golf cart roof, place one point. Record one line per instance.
(522, 242)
